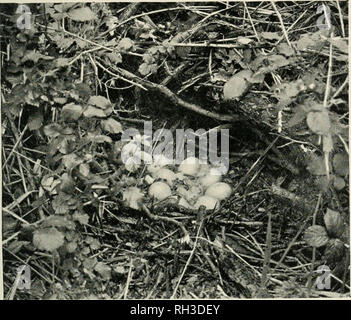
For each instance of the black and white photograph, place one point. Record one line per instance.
(175, 151)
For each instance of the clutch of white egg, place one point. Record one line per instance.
(194, 184)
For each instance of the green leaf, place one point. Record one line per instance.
(316, 165)
(84, 169)
(114, 57)
(341, 164)
(67, 183)
(89, 263)
(334, 251)
(82, 14)
(71, 160)
(58, 222)
(323, 183)
(298, 117)
(304, 42)
(316, 236)
(52, 130)
(89, 239)
(309, 105)
(285, 49)
(8, 224)
(183, 52)
(237, 85)
(111, 125)
(82, 218)
(81, 43)
(132, 164)
(49, 184)
(243, 40)
(83, 90)
(270, 35)
(103, 270)
(65, 43)
(71, 112)
(144, 69)
(153, 68)
(34, 56)
(63, 7)
(91, 112)
(148, 58)
(48, 239)
(35, 121)
(125, 44)
(338, 128)
(71, 247)
(94, 244)
(310, 41)
(62, 62)
(132, 197)
(277, 61)
(341, 57)
(339, 183)
(67, 144)
(60, 100)
(120, 269)
(319, 122)
(99, 101)
(334, 223)
(341, 44)
(98, 138)
(256, 78)
(15, 247)
(61, 204)
(111, 22)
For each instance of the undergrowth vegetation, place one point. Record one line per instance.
(91, 225)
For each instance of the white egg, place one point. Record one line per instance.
(148, 179)
(182, 191)
(209, 202)
(213, 176)
(203, 170)
(219, 190)
(160, 190)
(161, 160)
(190, 166)
(152, 168)
(165, 174)
(182, 202)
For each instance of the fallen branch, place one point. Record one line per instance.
(200, 226)
(167, 93)
(166, 219)
(296, 201)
